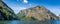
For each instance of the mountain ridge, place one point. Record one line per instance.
(38, 12)
(6, 13)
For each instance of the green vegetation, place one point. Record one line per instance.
(6, 13)
(28, 18)
(3, 22)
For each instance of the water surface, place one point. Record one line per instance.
(30, 22)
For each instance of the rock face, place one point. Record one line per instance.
(37, 13)
(59, 16)
(6, 13)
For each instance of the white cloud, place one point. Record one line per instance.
(25, 1)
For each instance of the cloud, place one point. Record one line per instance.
(25, 1)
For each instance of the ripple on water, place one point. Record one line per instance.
(32, 22)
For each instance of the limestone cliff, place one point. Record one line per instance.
(37, 13)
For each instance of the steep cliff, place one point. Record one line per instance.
(6, 13)
(37, 13)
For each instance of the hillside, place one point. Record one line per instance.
(6, 13)
(36, 13)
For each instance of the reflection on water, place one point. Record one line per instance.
(13, 22)
(55, 21)
(30, 22)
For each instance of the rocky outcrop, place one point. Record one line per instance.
(6, 13)
(38, 13)
(59, 16)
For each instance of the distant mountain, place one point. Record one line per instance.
(36, 13)
(6, 13)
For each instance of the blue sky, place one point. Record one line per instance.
(17, 5)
